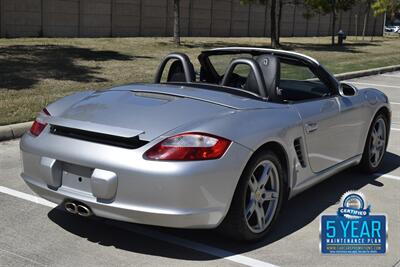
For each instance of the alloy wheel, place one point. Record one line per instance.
(262, 196)
(378, 142)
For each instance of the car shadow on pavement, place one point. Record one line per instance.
(107, 233)
(296, 214)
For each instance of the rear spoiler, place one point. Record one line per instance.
(92, 127)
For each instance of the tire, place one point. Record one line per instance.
(372, 163)
(236, 225)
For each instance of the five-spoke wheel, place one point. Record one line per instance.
(261, 196)
(377, 142)
(258, 198)
(375, 146)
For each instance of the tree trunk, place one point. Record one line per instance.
(333, 26)
(273, 24)
(278, 30)
(177, 27)
(373, 30)
(366, 15)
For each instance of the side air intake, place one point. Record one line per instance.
(299, 152)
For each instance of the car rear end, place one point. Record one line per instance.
(105, 169)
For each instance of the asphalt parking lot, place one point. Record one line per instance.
(34, 233)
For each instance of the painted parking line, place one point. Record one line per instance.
(373, 84)
(391, 75)
(28, 197)
(171, 239)
(388, 176)
(22, 257)
(220, 253)
(395, 129)
(394, 103)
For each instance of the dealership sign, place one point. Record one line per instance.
(353, 230)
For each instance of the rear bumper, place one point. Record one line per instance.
(173, 194)
(177, 218)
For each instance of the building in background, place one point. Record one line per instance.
(121, 18)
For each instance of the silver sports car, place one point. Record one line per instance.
(222, 147)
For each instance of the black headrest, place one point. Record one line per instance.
(271, 71)
(176, 72)
(251, 83)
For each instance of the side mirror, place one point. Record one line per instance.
(347, 90)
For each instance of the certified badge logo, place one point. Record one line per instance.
(352, 206)
(353, 230)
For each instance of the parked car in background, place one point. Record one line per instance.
(393, 27)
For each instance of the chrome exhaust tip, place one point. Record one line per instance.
(71, 207)
(77, 208)
(84, 211)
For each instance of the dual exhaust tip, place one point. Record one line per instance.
(77, 208)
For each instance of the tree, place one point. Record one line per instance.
(390, 7)
(177, 26)
(278, 28)
(281, 4)
(274, 32)
(332, 7)
(368, 4)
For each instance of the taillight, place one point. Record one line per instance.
(38, 126)
(189, 146)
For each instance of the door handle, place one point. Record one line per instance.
(311, 127)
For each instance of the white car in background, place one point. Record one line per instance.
(395, 29)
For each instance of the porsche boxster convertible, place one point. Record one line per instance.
(224, 146)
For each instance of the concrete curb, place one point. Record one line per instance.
(362, 73)
(13, 131)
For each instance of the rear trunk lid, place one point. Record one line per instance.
(127, 113)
